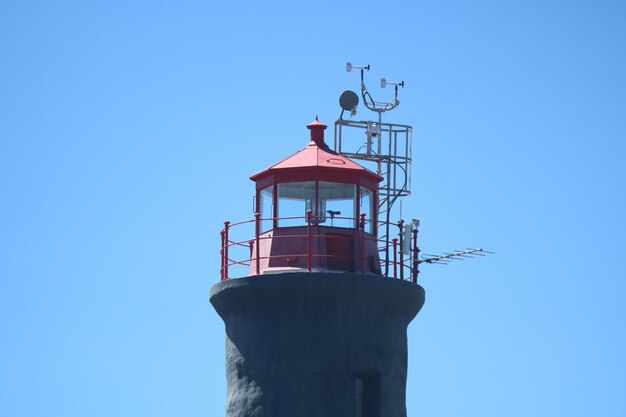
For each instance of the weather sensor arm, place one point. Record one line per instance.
(367, 97)
(368, 100)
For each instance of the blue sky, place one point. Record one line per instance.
(128, 131)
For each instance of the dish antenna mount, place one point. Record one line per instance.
(348, 100)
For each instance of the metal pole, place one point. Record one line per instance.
(401, 227)
(226, 223)
(417, 251)
(395, 259)
(391, 173)
(222, 256)
(257, 231)
(395, 158)
(338, 146)
(363, 242)
(308, 240)
(415, 254)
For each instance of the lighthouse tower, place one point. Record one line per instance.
(313, 327)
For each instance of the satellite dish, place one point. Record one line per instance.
(348, 100)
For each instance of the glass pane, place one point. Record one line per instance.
(367, 207)
(267, 208)
(337, 200)
(294, 199)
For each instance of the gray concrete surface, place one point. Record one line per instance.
(297, 342)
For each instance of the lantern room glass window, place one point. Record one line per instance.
(367, 206)
(266, 207)
(331, 203)
(337, 204)
(294, 199)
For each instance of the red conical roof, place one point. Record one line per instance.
(317, 155)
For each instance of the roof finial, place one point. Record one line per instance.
(317, 132)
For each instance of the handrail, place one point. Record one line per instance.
(395, 245)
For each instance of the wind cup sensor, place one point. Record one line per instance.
(384, 83)
(350, 67)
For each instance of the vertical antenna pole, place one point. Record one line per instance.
(257, 231)
(368, 141)
(226, 224)
(308, 240)
(401, 227)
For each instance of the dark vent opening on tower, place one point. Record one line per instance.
(368, 395)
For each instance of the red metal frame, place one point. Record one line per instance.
(252, 253)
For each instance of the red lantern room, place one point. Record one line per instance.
(316, 210)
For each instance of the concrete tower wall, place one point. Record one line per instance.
(316, 344)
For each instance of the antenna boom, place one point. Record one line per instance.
(458, 255)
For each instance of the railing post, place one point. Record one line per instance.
(308, 240)
(251, 245)
(401, 227)
(222, 256)
(362, 242)
(416, 252)
(394, 241)
(226, 244)
(257, 231)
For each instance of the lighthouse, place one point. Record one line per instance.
(315, 318)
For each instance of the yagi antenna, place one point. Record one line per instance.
(457, 255)
(443, 259)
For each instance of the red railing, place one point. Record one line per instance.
(248, 250)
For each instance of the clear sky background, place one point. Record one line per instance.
(128, 131)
